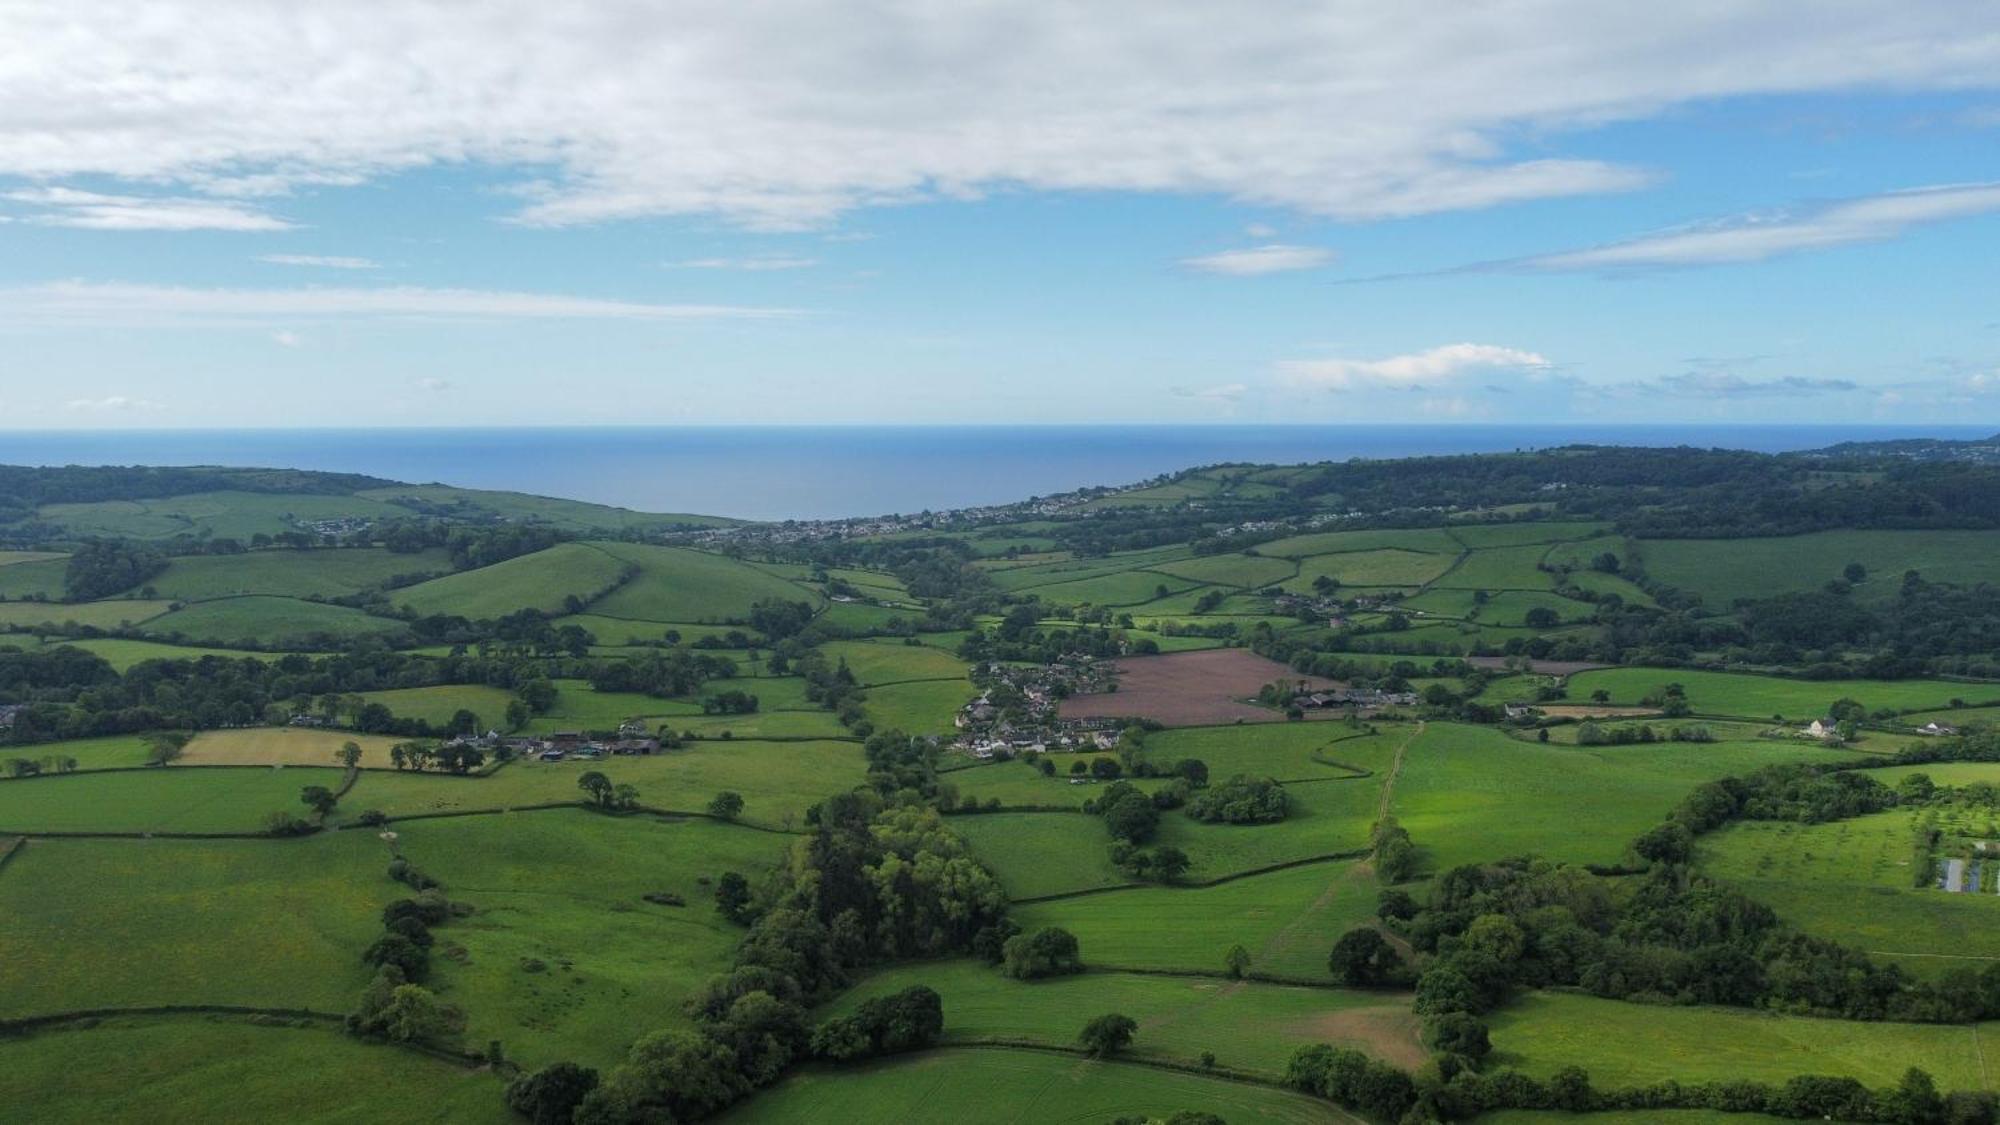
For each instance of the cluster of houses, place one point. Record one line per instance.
(1829, 729)
(1362, 698)
(8, 711)
(1018, 710)
(632, 739)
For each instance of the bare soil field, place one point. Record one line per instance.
(1190, 689)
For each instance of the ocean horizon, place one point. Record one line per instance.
(818, 472)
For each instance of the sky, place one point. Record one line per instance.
(247, 213)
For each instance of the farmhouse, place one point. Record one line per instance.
(8, 712)
(1935, 728)
(1821, 728)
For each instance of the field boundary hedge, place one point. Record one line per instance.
(1200, 884)
(11, 849)
(585, 806)
(27, 1025)
(1219, 1072)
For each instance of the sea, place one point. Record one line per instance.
(819, 472)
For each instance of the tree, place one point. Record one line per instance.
(1457, 1033)
(1050, 951)
(1542, 617)
(412, 959)
(349, 754)
(319, 799)
(732, 897)
(1364, 958)
(1107, 1034)
(550, 1095)
(415, 1015)
(726, 805)
(598, 787)
(1167, 863)
(1237, 961)
(166, 747)
(464, 722)
(1855, 573)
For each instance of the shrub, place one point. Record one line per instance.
(1048, 952)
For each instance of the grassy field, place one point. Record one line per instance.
(543, 580)
(996, 1086)
(675, 584)
(1520, 534)
(1470, 793)
(1721, 571)
(1243, 569)
(102, 615)
(196, 1069)
(1128, 588)
(922, 707)
(619, 631)
(289, 746)
(1433, 540)
(37, 578)
(1501, 568)
(1288, 920)
(122, 653)
(111, 752)
(1850, 880)
(175, 799)
(1624, 1044)
(119, 923)
(227, 514)
(1386, 567)
(267, 621)
(436, 705)
(1760, 697)
(296, 574)
(1251, 1026)
(892, 661)
(778, 781)
(563, 888)
(1041, 853)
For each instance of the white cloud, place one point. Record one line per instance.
(789, 113)
(111, 404)
(113, 301)
(287, 339)
(1260, 260)
(754, 264)
(1753, 238)
(1418, 369)
(324, 261)
(89, 210)
(1261, 231)
(1229, 393)
(433, 383)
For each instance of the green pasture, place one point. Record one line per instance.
(893, 662)
(1760, 697)
(619, 631)
(543, 580)
(677, 584)
(122, 652)
(41, 578)
(1962, 717)
(998, 1086)
(579, 707)
(1598, 582)
(1241, 569)
(102, 615)
(1471, 793)
(1579, 554)
(565, 888)
(1286, 751)
(111, 752)
(859, 617)
(1626, 1044)
(437, 705)
(267, 621)
(1251, 1027)
(1522, 533)
(1724, 570)
(1132, 587)
(573, 515)
(1288, 920)
(194, 1068)
(1393, 567)
(1501, 568)
(1041, 853)
(122, 923)
(1015, 578)
(778, 781)
(226, 514)
(297, 574)
(1851, 881)
(1510, 607)
(1430, 540)
(173, 799)
(920, 707)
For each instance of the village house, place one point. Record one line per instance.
(9, 712)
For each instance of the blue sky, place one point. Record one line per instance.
(1119, 212)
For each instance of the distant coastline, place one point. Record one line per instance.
(786, 472)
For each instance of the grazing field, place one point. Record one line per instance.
(268, 622)
(437, 705)
(1386, 567)
(563, 889)
(1483, 535)
(1132, 587)
(225, 515)
(1245, 570)
(118, 751)
(1722, 571)
(998, 1086)
(215, 1069)
(676, 584)
(1288, 752)
(1041, 853)
(579, 707)
(893, 662)
(1430, 540)
(1471, 793)
(919, 707)
(575, 515)
(778, 781)
(288, 746)
(174, 799)
(1760, 697)
(1851, 881)
(1249, 1026)
(33, 579)
(296, 574)
(1287, 919)
(545, 580)
(120, 923)
(122, 653)
(1501, 568)
(1188, 689)
(1625, 1044)
(102, 615)
(619, 631)
(1019, 578)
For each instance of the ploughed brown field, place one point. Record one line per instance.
(1190, 689)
